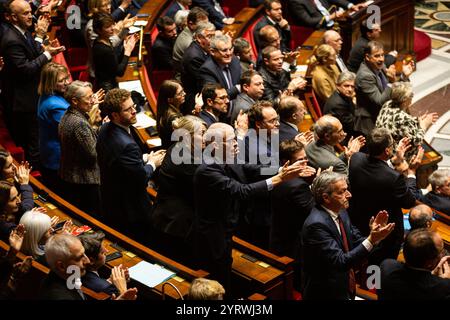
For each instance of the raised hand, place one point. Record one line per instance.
(23, 173)
(307, 171)
(2, 63)
(42, 24)
(417, 159)
(403, 145)
(54, 48)
(67, 227)
(228, 20)
(408, 68)
(16, 237)
(157, 157)
(39, 209)
(380, 232)
(118, 279)
(354, 145)
(427, 119)
(443, 268)
(99, 96)
(130, 43)
(291, 56)
(305, 137)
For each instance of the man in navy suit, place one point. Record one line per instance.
(219, 187)
(424, 276)
(124, 170)
(163, 46)
(274, 17)
(176, 6)
(193, 58)
(24, 58)
(331, 246)
(439, 197)
(215, 103)
(222, 67)
(291, 111)
(376, 186)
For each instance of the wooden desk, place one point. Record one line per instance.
(308, 47)
(243, 20)
(59, 207)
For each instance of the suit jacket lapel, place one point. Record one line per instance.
(332, 227)
(220, 73)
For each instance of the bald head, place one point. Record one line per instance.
(269, 36)
(333, 39)
(21, 15)
(329, 130)
(221, 143)
(421, 216)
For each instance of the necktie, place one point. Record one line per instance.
(351, 274)
(227, 73)
(382, 79)
(30, 41)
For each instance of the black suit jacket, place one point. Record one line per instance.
(326, 266)
(291, 203)
(173, 9)
(22, 70)
(285, 35)
(162, 53)
(207, 117)
(287, 132)
(374, 187)
(55, 288)
(399, 282)
(215, 17)
(218, 190)
(211, 72)
(356, 55)
(305, 12)
(342, 108)
(124, 177)
(174, 208)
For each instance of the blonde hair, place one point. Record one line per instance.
(401, 91)
(49, 78)
(93, 6)
(36, 224)
(321, 54)
(205, 289)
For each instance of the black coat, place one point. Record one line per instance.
(287, 132)
(285, 35)
(305, 12)
(374, 187)
(398, 282)
(21, 74)
(274, 83)
(437, 201)
(342, 108)
(55, 288)
(291, 202)
(162, 53)
(124, 177)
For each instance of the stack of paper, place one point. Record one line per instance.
(144, 121)
(150, 274)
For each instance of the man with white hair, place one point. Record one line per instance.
(334, 39)
(65, 257)
(439, 197)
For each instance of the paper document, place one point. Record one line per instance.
(150, 274)
(155, 142)
(140, 23)
(133, 29)
(144, 121)
(132, 85)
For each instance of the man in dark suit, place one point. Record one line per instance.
(193, 58)
(316, 13)
(61, 252)
(215, 103)
(424, 276)
(215, 12)
(340, 103)
(124, 170)
(176, 6)
(334, 39)
(420, 216)
(274, 17)
(163, 46)
(376, 186)
(291, 204)
(252, 90)
(371, 84)
(218, 189)
(439, 197)
(222, 67)
(24, 58)
(291, 111)
(331, 246)
(371, 32)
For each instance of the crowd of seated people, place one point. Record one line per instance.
(233, 160)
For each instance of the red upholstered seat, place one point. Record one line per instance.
(422, 45)
(248, 35)
(299, 35)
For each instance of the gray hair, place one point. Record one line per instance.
(75, 90)
(57, 249)
(324, 183)
(401, 91)
(345, 76)
(219, 38)
(36, 224)
(181, 17)
(324, 126)
(203, 26)
(438, 178)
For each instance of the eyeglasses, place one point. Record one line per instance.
(133, 107)
(222, 98)
(273, 121)
(180, 94)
